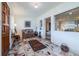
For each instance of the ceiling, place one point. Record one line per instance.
(27, 9)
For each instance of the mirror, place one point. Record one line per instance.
(68, 21)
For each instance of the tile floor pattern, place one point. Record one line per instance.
(23, 48)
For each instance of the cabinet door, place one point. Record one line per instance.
(5, 28)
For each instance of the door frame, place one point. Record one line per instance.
(45, 25)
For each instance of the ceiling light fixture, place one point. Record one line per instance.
(36, 4)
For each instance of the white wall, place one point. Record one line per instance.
(59, 9)
(10, 4)
(20, 23)
(11, 29)
(69, 38)
(0, 29)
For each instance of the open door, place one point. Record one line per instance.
(5, 28)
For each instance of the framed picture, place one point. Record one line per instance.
(27, 24)
(40, 23)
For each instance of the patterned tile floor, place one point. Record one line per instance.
(22, 48)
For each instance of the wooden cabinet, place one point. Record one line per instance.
(5, 28)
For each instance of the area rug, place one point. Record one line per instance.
(36, 45)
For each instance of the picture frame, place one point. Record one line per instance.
(27, 24)
(40, 24)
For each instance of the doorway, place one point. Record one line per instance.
(48, 28)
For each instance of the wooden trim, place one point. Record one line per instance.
(5, 28)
